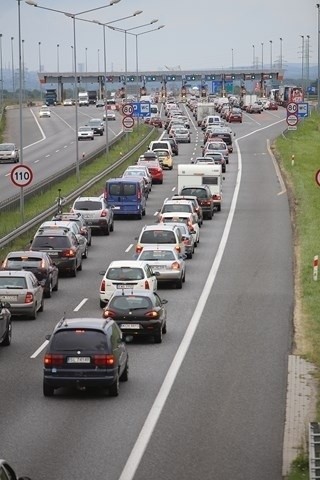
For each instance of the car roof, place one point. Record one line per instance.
(15, 273)
(127, 179)
(90, 199)
(51, 232)
(158, 226)
(90, 323)
(27, 253)
(159, 247)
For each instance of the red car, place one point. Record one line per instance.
(154, 168)
(273, 105)
(156, 122)
(235, 115)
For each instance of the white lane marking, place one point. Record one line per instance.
(173, 189)
(80, 305)
(7, 174)
(41, 131)
(65, 146)
(39, 350)
(57, 151)
(129, 248)
(64, 121)
(155, 213)
(48, 155)
(36, 161)
(145, 434)
(277, 169)
(149, 425)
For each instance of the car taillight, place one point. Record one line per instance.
(139, 195)
(177, 247)
(104, 360)
(28, 298)
(103, 213)
(146, 285)
(108, 314)
(216, 197)
(207, 202)
(175, 266)
(138, 248)
(43, 264)
(51, 360)
(152, 314)
(103, 286)
(158, 170)
(68, 253)
(83, 231)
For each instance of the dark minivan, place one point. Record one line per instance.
(127, 196)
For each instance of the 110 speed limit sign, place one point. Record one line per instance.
(21, 175)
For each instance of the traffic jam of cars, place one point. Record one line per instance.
(93, 352)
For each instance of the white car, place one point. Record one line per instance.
(169, 264)
(109, 115)
(9, 153)
(190, 219)
(68, 102)
(126, 274)
(85, 133)
(45, 112)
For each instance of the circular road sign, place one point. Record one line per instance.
(317, 177)
(292, 107)
(292, 120)
(21, 175)
(127, 109)
(128, 122)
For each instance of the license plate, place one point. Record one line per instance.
(116, 208)
(124, 286)
(78, 360)
(128, 326)
(9, 298)
(53, 254)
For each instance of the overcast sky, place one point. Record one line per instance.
(197, 35)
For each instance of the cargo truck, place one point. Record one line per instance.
(51, 96)
(203, 110)
(93, 96)
(83, 99)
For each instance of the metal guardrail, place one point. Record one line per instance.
(31, 191)
(314, 451)
(72, 196)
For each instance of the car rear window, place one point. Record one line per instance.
(125, 273)
(197, 192)
(19, 262)
(13, 282)
(130, 302)
(176, 207)
(124, 189)
(154, 255)
(87, 205)
(79, 339)
(54, 242)
(158, 236)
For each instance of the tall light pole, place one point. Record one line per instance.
(74, 16)
(232, 60)
(98, 60)
(253, 56)
(58, 66)
(23, 72)
(1, 72)
(86, 66)
(125, 31)
(39, 54)
(20, 110)
(262, 56)
(318, 83)
(302, 62)
(281, 56)
(271, 62)
(12, 65)
(307, 62)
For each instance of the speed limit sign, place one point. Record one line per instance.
(21, 175)
(127, 109)
(292, 107)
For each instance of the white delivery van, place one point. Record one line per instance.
(197, 174)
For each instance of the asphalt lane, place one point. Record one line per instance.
(226, 409)
(50, 143)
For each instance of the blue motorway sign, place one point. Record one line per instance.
(303, 109)
(141, 109)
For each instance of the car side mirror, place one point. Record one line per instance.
(47, 337)
(164, 301)
(102, 272)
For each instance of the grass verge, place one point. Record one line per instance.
(12, 219)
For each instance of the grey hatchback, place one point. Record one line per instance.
(97, 213)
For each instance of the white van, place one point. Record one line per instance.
(198, 174)
(160, 145)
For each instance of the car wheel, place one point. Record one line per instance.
(85, 253)
(189, 255)
(74, 271)
(41, 305)
(107, 230)
(143, 212)
(179, 284)
(48, 391)
(114, 389)
(158, 337)
(125, 374)
(7, 339)
(112, 227)
(219, 208)
(102, 304)
(89, 242)
(139, 216)
(55, 288)
(80, 265)
(210, 215)
(48, 292)
(34, 314)
(164, 328)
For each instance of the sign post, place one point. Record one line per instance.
(21, 176)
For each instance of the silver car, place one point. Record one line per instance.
(97, 213)
(166, 262)
(85, 133)
(23, 291)
(9, 153)
(182, 135)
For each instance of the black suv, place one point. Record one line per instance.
(63, 248)
(85, 352)
(173, 143)
(204, 197)
(84, 228)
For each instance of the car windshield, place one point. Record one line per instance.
(13, 282)
(197, 192)
(87, 205)
(130, 302)
(79, 339)
(125, 273)
(6, 147)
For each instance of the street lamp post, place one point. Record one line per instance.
(302, 62)
(58, 66)
(270, 41)
(253, 56)
(307, 61)
(12, 65)
(74, 16)
(281, 56)
(20, 109)
(262, 56)
(23, 73)
(1, 72)
(126, 31)
(39, 54)
(86, 66)
(318, 83)
(98, 60)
